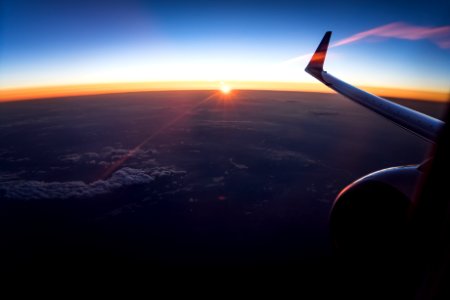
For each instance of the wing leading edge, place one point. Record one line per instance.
(418, 123)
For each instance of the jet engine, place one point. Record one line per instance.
(371, 214)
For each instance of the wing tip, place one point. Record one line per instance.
(318, 59)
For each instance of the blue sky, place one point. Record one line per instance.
(76, 42)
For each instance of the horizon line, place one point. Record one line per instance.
(68, 90)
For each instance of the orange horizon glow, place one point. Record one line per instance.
(40, 92)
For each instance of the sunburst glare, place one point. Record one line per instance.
(225, 89)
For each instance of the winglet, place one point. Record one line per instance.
(315, 66)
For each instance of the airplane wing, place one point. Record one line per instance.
(420, 124)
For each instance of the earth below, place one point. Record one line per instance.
(186, 178)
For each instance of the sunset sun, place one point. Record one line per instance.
(225, 89)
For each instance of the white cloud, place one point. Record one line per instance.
(106, 156)
(73, 157)
(33, 189)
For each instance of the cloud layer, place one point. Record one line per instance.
(32, 189)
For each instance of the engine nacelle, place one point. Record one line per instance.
(370, 215)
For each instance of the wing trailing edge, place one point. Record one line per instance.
(418, 123)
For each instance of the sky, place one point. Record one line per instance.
(384, 43)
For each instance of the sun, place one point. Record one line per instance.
(225, 89)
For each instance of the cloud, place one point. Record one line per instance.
(439, 36)
(107, 156)
(32, 189)
(239, 166)
(73, 157)
(8, 176)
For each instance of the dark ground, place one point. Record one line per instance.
(243, 181)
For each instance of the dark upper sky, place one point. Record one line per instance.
(62, 42)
